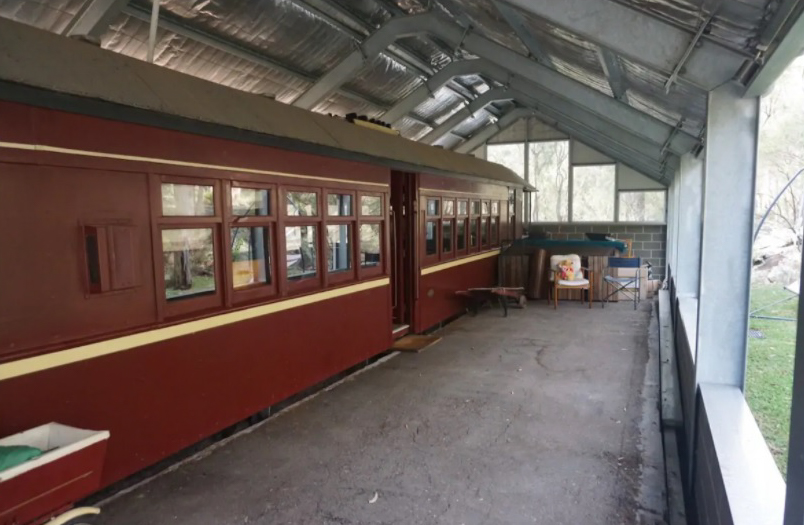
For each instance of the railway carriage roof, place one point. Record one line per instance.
(39, 59)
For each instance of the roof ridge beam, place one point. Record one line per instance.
(464, 113)
(644, 39)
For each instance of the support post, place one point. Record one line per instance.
(726, 239)
(689, 200)
(672, 218)
(153, 28)
(794, 503)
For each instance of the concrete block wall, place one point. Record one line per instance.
(649, 241)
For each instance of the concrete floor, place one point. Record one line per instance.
(545, 417)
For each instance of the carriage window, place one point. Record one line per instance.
(302, 204)
(485, 207)
(189, 262)
(493, 228)
(187, 200)
(460, 234)
(251, 256)
(339, 247)
(370, 205)
(251, 202)
(369, 245)
(432, 207)
(449, 207)
(495, 207)
(473, 233)
(462, 207)
(475, 207)
(446, 236)
(484, 231)
(430, 240)
(300, 252)
(339, 205)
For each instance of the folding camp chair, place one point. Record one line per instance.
(628, 285)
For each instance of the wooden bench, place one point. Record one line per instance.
(478, 296)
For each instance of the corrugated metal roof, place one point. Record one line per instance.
(41, 60)
(300, 40)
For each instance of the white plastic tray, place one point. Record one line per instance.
(55, 440)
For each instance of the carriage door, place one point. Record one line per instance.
(403, 231)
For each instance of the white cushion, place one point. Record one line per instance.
(555, 260)
(576, 282)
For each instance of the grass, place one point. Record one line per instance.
(769, 375)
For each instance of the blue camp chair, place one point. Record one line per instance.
(629, 286)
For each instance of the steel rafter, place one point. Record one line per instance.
(533, 94)
(376, 43)
(94, 19)
(227, 46)
(644, 39)
(358, 29)
(431, 85)
(780, 55)
(614, 74)
(514, 19)
(479, 137)
(464, 113)
(618, 113)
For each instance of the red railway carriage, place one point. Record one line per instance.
(179, 255)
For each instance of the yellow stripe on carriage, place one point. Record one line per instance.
(38, 363)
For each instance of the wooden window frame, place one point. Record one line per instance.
(383, 211)
(256, 292)
(454, 204)
(428, 198)
(474, 219)
(381, 219)
(495, 230)
(307, 284)
(187, 306)
(464, 218)
(429, 259)
(484, 226)
(342, 276)
(371, 271)
(462, 251)
(355, 204)
(446, 255)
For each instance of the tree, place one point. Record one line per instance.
(549, 171)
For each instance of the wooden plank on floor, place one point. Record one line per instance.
(672, 416)
(415, 343)
(676, 510)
